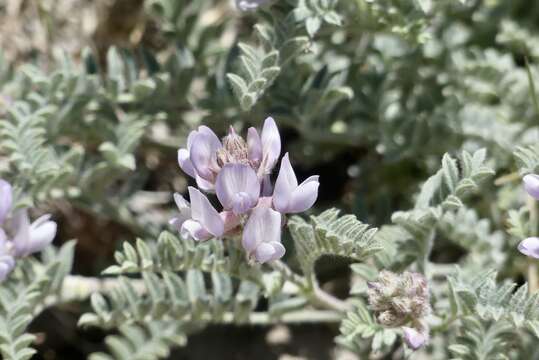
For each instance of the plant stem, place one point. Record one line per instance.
(329, 301)
(533, 280)
(294, 317)
(311, 289)
(78, 288)
(288, 274)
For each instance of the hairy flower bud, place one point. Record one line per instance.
(399, 299)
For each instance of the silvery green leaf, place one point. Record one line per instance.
(312, 25)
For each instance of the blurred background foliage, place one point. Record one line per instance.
(97, 96)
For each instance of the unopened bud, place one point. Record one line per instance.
(399, 298)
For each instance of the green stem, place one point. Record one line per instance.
(294, 317)
(309, 286)
(80, 288)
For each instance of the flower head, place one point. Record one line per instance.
(398, 298)
(402, 300)
(239, 172)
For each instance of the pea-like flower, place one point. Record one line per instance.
(262, 235)
(237, 188)
(30, 238)
(239, 172)
(18, 237)
(531, 185)
(530, 247)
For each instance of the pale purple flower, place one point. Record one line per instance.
(413, 338)
(34, 237)
(19, 237)
(288, 196)
(237, 188)
(254, 145)
(530, 247)
(25, 238)
(531, 185)
(262, 235)
(249, 5)
(205, 221)
(239, 173)
(199, 158)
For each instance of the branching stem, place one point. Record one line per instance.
(311, 289)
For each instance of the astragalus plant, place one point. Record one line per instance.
(368, 167)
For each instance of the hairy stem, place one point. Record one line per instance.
(78, 288)
(310, 287)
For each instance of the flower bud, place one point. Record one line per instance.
(399, 298)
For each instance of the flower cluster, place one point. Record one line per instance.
(238, 172)
(530, 246)
(18, 237)
(402, 301)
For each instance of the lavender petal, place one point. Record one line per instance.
(203, 212)
(531, 185)
(185, 162)
(263, 228)
(413, 338)
(203, 153)
(42, 232)
(254, 144)
(304, 196)
(271, 144)
(192, 229)
(21, 239)
(530, 247)
(237, 188)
